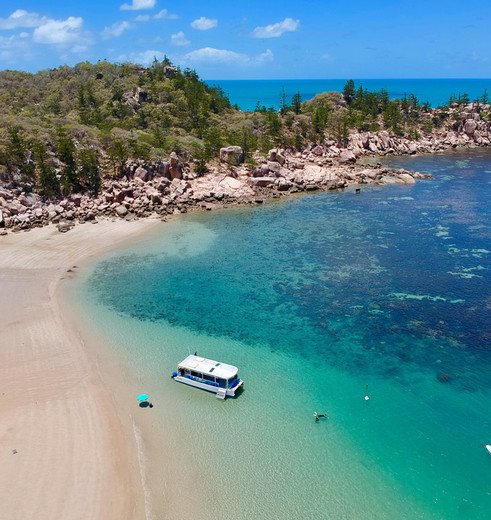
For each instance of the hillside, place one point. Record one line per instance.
(65, 130)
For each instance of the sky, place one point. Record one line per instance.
(252, 39)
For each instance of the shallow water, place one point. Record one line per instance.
(314, 298)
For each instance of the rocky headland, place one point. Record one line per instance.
(172, 187)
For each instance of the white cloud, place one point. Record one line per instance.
(164, 14)
(142, 18)
(12, 47)
(265, 56)
(115, 30)
(21, 18)
(147, 57)
(211, 56)
(59, 31)
(136, 5)
(277, 29)
(203, 24)
(179, 39)
(10, 42)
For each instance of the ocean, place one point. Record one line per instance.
(319, 299)
(246, 93)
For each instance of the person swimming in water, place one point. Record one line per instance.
(319, 415)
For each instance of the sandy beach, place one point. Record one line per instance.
(66, 450)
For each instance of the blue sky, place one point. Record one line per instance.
(254, 39)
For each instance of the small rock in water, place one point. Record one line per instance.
(444, 378)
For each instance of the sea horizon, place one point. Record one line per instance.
(245, 93)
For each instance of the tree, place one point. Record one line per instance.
(393, 117)
(20, 169)
(273, 122)
(339, 125)
(213, 142)
(297, 103)
(117, 152)
(284, 105)
(485, 98)
(88, 169)
(383, 99)
(320, 118)
(66, 154)
(349, 91)
(48, 182)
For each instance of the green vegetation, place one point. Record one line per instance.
(64, 129)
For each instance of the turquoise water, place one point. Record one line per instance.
(314, 298)
(246, 93)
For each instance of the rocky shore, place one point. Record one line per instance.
(149, 189)
(172, 187)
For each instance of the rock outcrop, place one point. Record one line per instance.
(232, 155)
(169, 187)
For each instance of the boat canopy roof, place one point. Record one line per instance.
(208, 366)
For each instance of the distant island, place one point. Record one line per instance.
(124, 140)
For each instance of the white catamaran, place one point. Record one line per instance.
(209, 375)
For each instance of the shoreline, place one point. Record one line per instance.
(68, 451)
(78, 446)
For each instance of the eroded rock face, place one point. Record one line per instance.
(232, 155)
(470, 126)
(175, 169)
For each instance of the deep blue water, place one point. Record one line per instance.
(314, 298)
(246, 93)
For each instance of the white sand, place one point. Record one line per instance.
(76, 454)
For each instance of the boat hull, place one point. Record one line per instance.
(230, 392)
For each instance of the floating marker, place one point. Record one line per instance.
(487, 446)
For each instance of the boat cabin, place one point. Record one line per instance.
(210, 375)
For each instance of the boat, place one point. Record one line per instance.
(487, 446)
(220, 378)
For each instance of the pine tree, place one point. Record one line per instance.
(88, 170)
(48, 182)
(20, 170)
(284, 105)
(66, 154)
(349, 91)
(297, 103)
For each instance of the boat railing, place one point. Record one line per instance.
(200, 380)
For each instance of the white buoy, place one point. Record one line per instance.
(487, 446)
(367, 398)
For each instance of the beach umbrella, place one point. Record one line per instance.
(142, 397)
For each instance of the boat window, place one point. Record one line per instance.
(196, 374)
(218, 364)
(211, 369)
(208, 378)
(222, 383)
